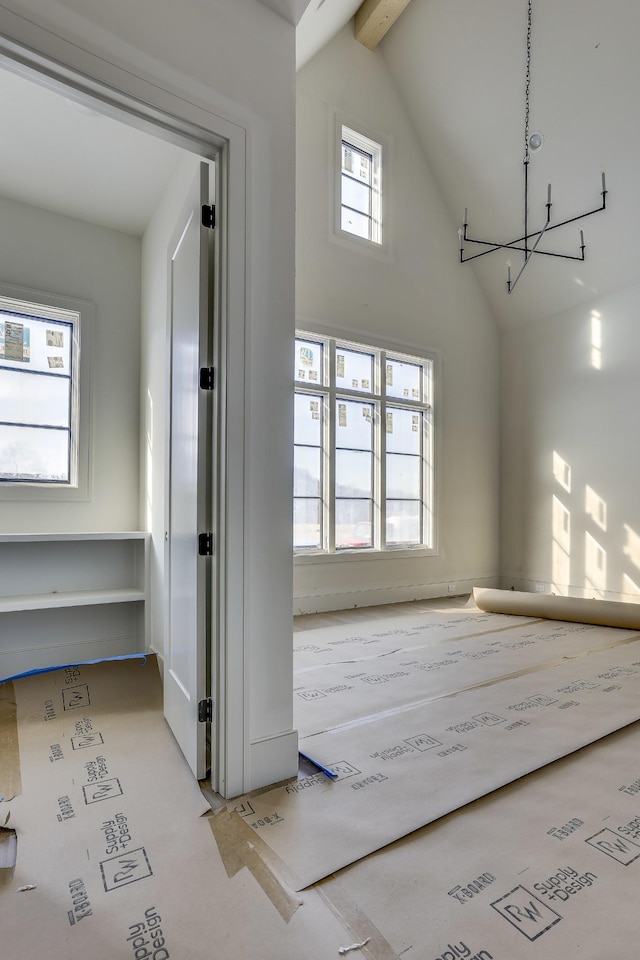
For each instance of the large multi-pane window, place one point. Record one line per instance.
(38, 393)
(360, 186)
(363, 455)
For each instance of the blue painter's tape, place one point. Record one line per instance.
(79, 663)
(325, 770)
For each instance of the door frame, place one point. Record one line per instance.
(74, 72)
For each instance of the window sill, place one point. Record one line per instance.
(356, 556)
(350, 241)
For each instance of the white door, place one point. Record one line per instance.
(189, 614)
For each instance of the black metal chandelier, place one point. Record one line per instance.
(528, 243)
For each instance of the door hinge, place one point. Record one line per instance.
(205, 710)
(207, 378)
(208, 215)
(205, 545)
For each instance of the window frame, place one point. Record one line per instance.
(330, 392)
(47, 305)
(362, 140)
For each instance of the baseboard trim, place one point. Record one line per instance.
(272, 760)
(349, 600)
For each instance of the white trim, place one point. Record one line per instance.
(375, 248)
(377, 395)
(373, 150)
(350, 599)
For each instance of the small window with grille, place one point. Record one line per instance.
(39, 394)
(360, 186)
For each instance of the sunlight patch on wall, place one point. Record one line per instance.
(595, 567)
(629, 587)
(595, 508)
(632, 545)
(596, 340)
(562, 471)
(560, 548)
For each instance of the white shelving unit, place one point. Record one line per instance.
(67, 597)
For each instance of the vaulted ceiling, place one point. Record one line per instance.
(459, 66)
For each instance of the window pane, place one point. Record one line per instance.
(404, 380)
(403, 521)
(404, 476)
(356, 195)
(28, 453)
(354, 474)
(353, 523)
(354, 425)
(35, 344)
(357, 162)
(307, 419)
(354, 369)
(34, 398)
(309, 361)
(356, 223)
(404, 431)
(307, 472)
(307, 529)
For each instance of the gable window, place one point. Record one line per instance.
(360, 186)
(363, 447)
(39, 409)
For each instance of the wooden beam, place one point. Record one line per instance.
(375, 18)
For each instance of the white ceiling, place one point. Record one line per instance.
(321, 21)
(65, 158)
(291, 10)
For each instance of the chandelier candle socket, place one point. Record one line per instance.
(528, 243)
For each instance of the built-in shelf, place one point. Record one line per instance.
(68, 537)
(77, 598)
(64, 591)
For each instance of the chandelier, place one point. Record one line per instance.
(528, 243)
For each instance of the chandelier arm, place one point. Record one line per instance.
(512, 244)
(581, 216)
(510, 284)
(492, 249)
(561, 256)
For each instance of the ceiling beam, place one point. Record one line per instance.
(375, 18)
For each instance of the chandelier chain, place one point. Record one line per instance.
(527, 87)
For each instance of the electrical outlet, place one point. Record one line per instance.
(452, 588)
(540, 588)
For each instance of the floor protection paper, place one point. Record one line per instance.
(329, 695)
(548, 868)
(114, 858)
(408, 763)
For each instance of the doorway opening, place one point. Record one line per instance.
(90, 181)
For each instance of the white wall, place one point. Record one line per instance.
(68, 257)
(417, 297)
(571, 457)
(229, 63)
